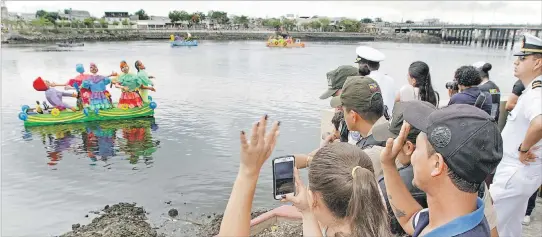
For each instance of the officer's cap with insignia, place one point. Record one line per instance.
(369, 54)
(530, 44)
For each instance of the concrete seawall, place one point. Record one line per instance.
(56, 35)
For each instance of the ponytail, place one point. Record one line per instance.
(365, 206)
(420, 72)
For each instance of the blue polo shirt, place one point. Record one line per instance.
(473, 224)
(469, 96)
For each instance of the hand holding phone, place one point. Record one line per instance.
(283, 176)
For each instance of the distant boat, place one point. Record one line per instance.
(179, 43)
(70, 44)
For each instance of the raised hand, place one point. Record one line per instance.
(300, 199)
(256, 151)
(394, 146)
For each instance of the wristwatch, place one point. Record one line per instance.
(519, 149)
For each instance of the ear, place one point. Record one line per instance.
(408, 148)
(438, 163)
(312, 198)
(538, 64)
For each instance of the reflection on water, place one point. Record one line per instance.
(53, 176)
(99, 141)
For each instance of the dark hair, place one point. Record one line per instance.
(420, 72)
(337, 119)
(349, 194)
(484, 70)
(373, 66)
(459, 183)
(135, 64)
(468, 76)
(373, 112)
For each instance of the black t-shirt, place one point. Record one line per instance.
(518, 88)
(495, 93)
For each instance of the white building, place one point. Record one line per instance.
(4, 12)
(111, 17)
(153, 22)
(74, 15)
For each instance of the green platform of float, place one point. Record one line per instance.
(68, 116)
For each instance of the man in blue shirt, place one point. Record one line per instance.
(458, 146)
(468, 79)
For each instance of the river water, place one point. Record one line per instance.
(188, 154)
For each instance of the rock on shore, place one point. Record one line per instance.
(123, 219)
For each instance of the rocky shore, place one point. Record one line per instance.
(127, 219)
(89, 35)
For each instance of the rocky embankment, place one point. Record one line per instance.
(78, 35)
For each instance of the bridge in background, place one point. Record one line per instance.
(496, 36)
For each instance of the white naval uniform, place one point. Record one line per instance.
(515, 182)
(387, 86)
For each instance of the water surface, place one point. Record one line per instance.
(188, 154)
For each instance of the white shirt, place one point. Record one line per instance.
(387, 86)
(408, 92)
(529, 106)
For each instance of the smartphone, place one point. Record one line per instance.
(283, 176)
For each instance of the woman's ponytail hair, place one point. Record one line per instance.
(344, 176)
(420, 72)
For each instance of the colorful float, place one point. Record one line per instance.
(285, 43)
(176, 42)
(40, 117)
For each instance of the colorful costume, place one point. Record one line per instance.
(53, 96)
(84, 92)
(130, 97)
(142, 74)
(99, 97)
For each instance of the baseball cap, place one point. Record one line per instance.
(530, 44)
(360, 92)
(336, 79)
(464, 135)
(384, 131)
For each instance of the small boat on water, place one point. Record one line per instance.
(288, 43)
(55, 116)
(70, 44)
(179, 43)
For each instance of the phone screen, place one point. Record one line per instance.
(284, 176)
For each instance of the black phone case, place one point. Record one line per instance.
(273, 171)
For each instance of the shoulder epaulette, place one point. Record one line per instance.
(536, 84)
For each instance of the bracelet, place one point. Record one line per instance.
(519, 148)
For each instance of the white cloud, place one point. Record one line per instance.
(518, 12)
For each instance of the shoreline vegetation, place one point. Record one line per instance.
(48, 27)
(57, 35)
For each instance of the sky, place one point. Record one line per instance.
(482, 12)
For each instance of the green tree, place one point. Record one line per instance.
(174, 16)
(241, 20)
(141, 14)
(115, 23)
(185, 16)
(315, 25)
(366, 20)
(103, 23)
(40, 14)
(219, 17)
(125, 22)
(40, 22)
(409, 22)
(288, 24)
(325, 23)
(273, 22)
(76, 23)
(350, 25)
(89, 22)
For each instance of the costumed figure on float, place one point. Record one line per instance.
(84, 93)
(130, 85)
(99, 96)
(52, 95)
(145, 78)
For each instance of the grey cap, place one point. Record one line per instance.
(464, 135)
(385, 131)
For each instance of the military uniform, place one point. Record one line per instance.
(515, 182)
